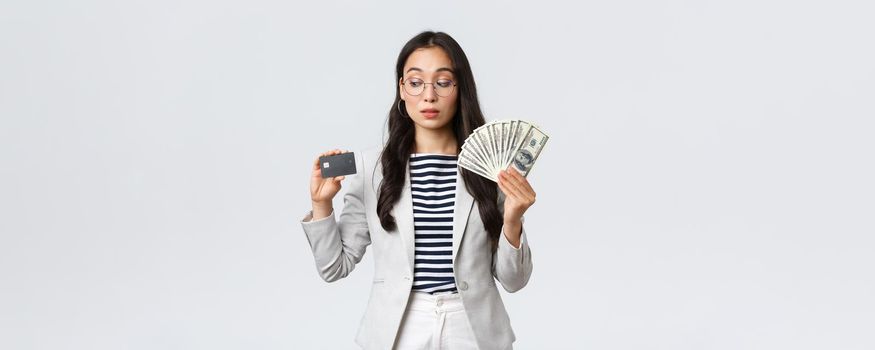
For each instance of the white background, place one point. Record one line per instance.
(707, 184)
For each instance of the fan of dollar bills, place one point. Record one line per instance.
(498, 145)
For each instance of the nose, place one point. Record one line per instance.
(429, 94)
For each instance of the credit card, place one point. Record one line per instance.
(337, 165)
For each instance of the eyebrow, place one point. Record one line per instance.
(442, 69)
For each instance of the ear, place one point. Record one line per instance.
(401, 89)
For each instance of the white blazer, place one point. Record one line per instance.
(338, 245)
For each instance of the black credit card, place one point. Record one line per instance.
(337, 165)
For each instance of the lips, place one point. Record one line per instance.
(429, 113)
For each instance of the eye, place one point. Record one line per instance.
(414, 82)
(445, 83)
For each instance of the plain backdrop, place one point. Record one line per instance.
(707, 183)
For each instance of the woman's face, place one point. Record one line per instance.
(430, 66)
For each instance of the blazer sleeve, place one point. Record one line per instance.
(512, 266)
(338, 245)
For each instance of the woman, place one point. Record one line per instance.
(436, 259)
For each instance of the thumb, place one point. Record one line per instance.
(339, 178)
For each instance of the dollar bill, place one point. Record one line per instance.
(528, 152)
(498, 145)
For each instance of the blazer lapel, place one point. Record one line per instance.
(461, 211)
(403, 213)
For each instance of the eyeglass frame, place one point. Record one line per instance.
(405, 80)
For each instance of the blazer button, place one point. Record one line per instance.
(463, 285)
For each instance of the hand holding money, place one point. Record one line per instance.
(505, 151)
(519, 195)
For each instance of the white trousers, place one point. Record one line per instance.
(435, 322)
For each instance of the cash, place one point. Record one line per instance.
(495, 146)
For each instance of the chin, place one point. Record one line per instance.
(436, 123)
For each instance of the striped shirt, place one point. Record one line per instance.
(433, 188)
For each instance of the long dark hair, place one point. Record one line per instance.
(396, 152)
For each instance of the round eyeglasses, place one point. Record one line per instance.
(415, 86)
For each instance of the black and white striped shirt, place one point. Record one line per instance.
(433, 187)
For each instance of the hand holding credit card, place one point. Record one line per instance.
(328, 170)
(337, 165)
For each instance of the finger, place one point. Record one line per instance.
(525, 192)
(339, 178)
(503, 188)
(331, 152)
(516, 174)
(510, 194)
(508, 188)
(522, 180)
(324, 154)
(512, 182)
(521, 183)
